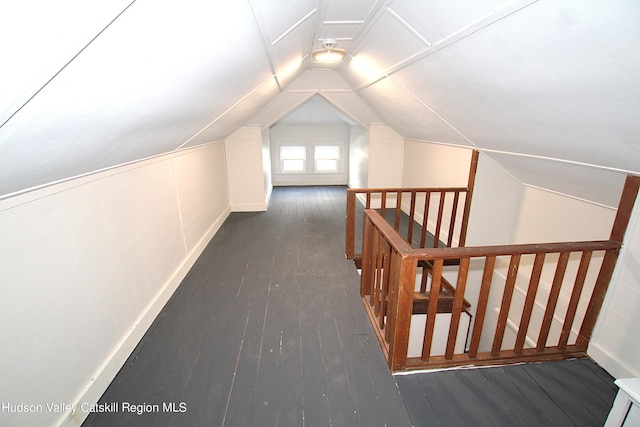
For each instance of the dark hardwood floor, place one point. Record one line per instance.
(268, 329)
(565, 393)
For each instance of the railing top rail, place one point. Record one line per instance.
(482, 251)
(392, 236)
(408, 189)
(515, 249)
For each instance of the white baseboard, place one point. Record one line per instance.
(107, 372)
(609, 363)
(248, 207)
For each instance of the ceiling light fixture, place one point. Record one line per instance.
(328, 54)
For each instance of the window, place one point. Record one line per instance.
(293, 158)
(327, 158)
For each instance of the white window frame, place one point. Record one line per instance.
(284, 158)
(320, 157)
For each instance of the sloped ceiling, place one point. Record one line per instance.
(546, 89)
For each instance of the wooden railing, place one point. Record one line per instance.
(529, 302)
(425, 217)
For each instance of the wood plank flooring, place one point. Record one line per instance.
(565, 393)
(268, 329)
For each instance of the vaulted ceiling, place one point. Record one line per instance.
(547, 89)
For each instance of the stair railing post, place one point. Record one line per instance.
(403, 307)
(623, 215)
(350, 224)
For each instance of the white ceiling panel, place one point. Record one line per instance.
(552, 80)
(342, 32)
(278, 107)
(315, 111)
(291, 49)
(407, 115)
(316, 80)
(38, 38)
(384, 45)
(340, 10)
(353, 106)
(227, 123)
(279, 16)
(545, 80)
(132, 93)
(596, 185)
(436, 21)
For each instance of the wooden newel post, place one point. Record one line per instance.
(623, 215)
(403, 307)
(350, 224)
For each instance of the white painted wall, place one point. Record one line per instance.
(358, 157)
(615, 344)
(310, 136)
(266, 165)
(494, 206)
(435, 165)
(386, 157)
(86, 266)
(245, 165)
(550, 217)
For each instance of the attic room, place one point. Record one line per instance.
(134, 135)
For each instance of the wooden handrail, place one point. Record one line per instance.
(388, 285)
(477, 251)
(558, 330)
(455, 228)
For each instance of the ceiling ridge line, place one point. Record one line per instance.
(57, 73)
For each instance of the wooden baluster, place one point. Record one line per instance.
(432, 309)
(529, 302)
(412, 214)
(375, 296)
(425, 218)
(386, 275)
(425, 277)
(458, 302)
(366, 279)
(505, 305)
(436, 238)
(398, 210)
(390, 294)
(552, 302)
(368, 204)
(452, 221)
(383, 205)
(585, 260)
(483, 299)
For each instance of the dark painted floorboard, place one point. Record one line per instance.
(268, 329)
(567, 393)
